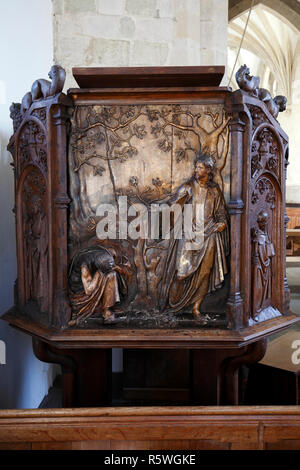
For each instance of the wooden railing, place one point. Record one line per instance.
(152, 428)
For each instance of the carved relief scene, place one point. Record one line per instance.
(266, 217)
(34, 242)
(137, 175)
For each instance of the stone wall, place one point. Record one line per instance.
(139, 33)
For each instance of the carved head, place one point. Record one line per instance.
(57, 71)
(204, 166)
(262, 220)
(242, 71)
(104, 263)
(281, 102)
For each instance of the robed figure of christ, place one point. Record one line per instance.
(196, 265)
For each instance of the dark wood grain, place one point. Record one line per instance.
(40, 145)
(122, 77)
(149, 428)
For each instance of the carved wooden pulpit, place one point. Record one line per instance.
(150, 214)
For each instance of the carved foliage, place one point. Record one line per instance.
(110, 134)
(265, 210)
(264, 192)
(258, 116)
(32, 147)
(144, 152)
(40, 113)
(265, 155)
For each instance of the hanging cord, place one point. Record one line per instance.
(241, 43)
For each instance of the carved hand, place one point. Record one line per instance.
(220, 227)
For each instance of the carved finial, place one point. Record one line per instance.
(43, 88)
(246, 81)
(250, 84)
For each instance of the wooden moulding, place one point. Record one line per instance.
(152, 428)
(148, 338)
(155, 85)
(134, 77)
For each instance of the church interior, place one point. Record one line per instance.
(202, 351)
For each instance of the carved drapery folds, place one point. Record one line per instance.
(33, 224)
(40, 242)
(132, 155)
(31, 165)
(266, 195)
(262, 253)
(144, 153)
(266, 219)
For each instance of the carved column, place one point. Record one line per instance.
(235, 301)
(246, 356)
(60, 313)
(287, 292)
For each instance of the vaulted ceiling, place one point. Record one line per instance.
(271, 43)
(288, 9)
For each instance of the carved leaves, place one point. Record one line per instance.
(40, 113)
(264, 153)
(258, 116)
(264, 189)
(113, 132)
(137, 193)
(32, 147)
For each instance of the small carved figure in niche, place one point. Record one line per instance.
(97, 283)
(37, 253)
(263, 251)
(190, 274)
